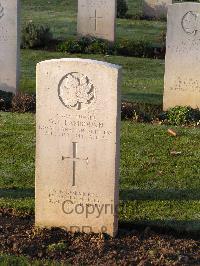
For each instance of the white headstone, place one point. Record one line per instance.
(97, 18)
(156, 8)
(182, 79)
(9, 45)
(77, 154)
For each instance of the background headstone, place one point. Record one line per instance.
(77, 154)
(182, 78)
(9, 45)
(156, 8)
(97, 18)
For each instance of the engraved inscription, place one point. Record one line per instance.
(75, 159)
(76, 91)
(58, 196)
(4, 34)
(96, 4)
(86, 127)
(96, 19)
(189, 85)
(1, 11)
(191, 23)
(186, 47)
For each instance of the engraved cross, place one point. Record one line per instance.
(96, 19)
(74, 160)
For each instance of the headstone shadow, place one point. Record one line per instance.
(19, 193)
(160, 194)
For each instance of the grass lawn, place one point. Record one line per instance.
(140, 83)
(8, 260)
(61, 16)
(142, 78)
(156, 188)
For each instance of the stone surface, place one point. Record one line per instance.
(9, 45)
(182, 80)
(156, 8)
(97, 18)
(77, 154)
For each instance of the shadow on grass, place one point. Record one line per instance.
(170, 200)
(156, 194)
(143, 97)
(17, 193)
(126, 195)
(184, 228)
(187, 229)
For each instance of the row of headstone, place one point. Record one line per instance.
(78, 129)
(97, 18)
(78, 120)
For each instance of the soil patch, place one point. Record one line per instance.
(18, 236)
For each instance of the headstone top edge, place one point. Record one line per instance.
(182, 4)
(80, 60)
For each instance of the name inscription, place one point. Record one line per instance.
(79, 126)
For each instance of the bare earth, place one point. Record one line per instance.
(132, 247)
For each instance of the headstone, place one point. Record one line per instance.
(77, 154)
(156, 8)
(97, 18)
(9, 45)
(182, 79)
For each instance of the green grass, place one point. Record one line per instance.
(8, 260)
(61, 16)
(156, 188)
(140, 83)
(142, 78)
